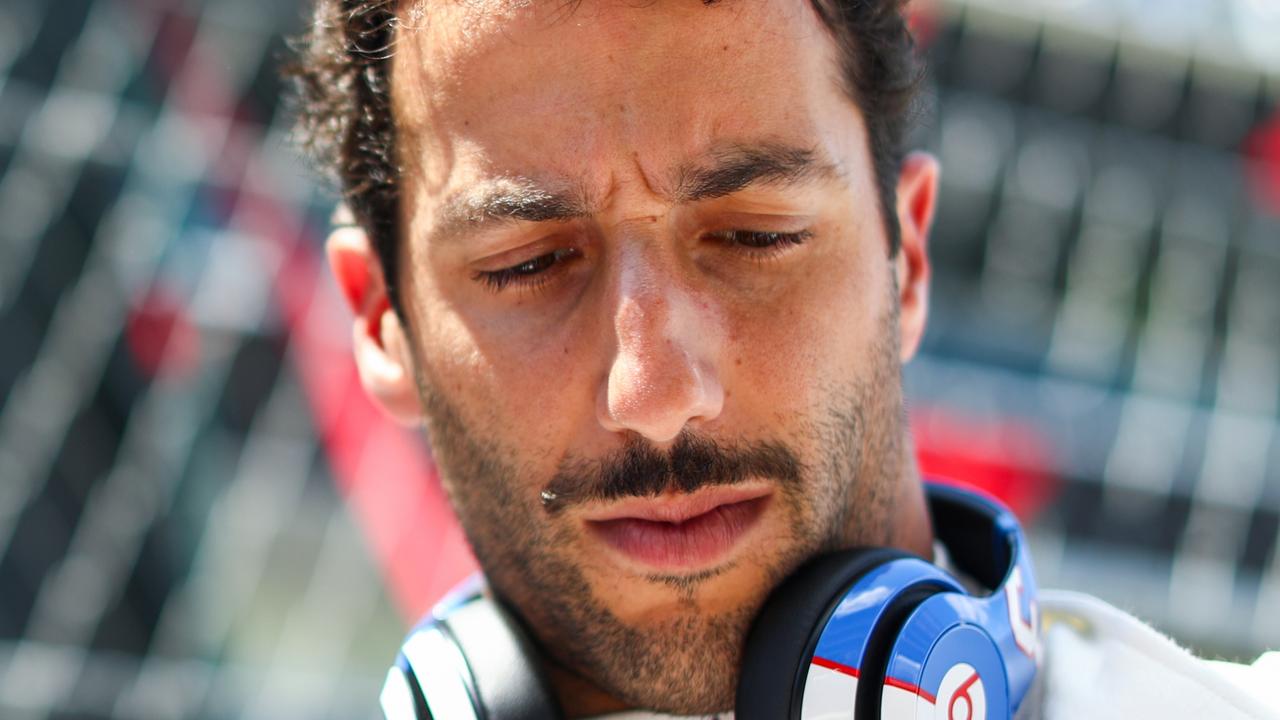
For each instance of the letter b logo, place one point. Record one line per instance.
(961, 695)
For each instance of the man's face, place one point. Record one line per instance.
(652, 316)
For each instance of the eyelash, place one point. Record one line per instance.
(777, 242)
(533, 274)
(530, 275)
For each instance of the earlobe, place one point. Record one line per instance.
(378, 339)
(917, 200)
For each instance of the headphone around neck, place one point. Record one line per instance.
(864, 634)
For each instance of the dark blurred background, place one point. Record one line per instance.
(202, 516)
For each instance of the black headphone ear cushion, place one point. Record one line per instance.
(503, 662)
(782, 639)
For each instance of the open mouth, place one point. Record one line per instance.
(680, 532)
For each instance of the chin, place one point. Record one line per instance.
(694, 686)
(683, 658)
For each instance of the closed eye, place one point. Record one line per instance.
(530, 273)
(535, 272)
(760, 242)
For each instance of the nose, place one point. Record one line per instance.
(663, 375)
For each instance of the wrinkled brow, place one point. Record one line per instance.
(507, 200)
(721, 173)
(740, 166)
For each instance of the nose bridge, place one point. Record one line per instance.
(659, 320)
(663, 372)
(645, 300)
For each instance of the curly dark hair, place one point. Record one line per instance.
(341, 94)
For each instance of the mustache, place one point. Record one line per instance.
(692, 462)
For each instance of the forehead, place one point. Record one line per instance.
(576, 89)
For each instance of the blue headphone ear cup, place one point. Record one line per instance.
(785, 633)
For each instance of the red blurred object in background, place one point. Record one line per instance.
(1010, 460)
(160, 337)
(1263, 150)
(922, 17)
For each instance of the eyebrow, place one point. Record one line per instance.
(729, 170)
(738, 167)
(507, 200)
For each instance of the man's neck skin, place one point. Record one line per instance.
(913, 529)
(579, 697)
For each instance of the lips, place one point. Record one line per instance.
(680, 532)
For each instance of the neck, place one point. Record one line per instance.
(579, 697)
(912, 528)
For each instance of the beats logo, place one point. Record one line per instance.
(1024, 628)
(961, 696)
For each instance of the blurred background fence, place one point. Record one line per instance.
(201, 515)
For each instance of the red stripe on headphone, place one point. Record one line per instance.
(833, 665)
(913, 689)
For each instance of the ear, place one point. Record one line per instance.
(378, 338)
(917, 200)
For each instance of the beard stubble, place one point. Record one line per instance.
(686, 663)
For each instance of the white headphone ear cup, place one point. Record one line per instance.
(401, 698)
(475, 662)
(437, 676)
(504, 663)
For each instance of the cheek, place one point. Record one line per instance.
(519, 392)
(817, 335)
(546, 388)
